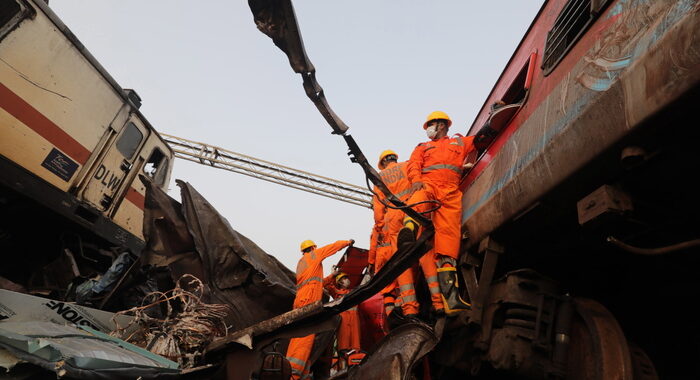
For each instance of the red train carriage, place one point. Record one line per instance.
(590, 182)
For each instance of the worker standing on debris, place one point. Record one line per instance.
(348, 335)
(309, 290)
(387, 223)
(435, 170)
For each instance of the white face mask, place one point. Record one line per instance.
(431, 131)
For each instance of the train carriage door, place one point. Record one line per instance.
(116, 164)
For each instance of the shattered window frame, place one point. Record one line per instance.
(156, 165)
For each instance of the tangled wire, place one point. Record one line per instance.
(188, 327)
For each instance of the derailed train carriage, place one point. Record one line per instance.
(580, 216)
(72, 146)
(589, 182)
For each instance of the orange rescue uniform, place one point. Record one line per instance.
(438, 165)
(387, 223)
(309, 290)
(348, 334)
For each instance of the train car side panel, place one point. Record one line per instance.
(56, 99)
(601, 90)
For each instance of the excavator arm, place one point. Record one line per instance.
(276, 19)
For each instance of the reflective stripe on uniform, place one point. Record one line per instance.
(296, 361)
(309, 280)
(433, 284)
(403, 193)
(411, 298)
(430, 168)
(457, 141)
(383, 245)
(405, 287)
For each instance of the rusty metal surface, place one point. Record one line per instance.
(605, 200)
(236, 271)
(646, 59)
(396, 354)
(598, 348)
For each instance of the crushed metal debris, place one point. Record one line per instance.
(188, 327)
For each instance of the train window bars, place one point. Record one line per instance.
(568, 28)
(129, 141)
(11, 13)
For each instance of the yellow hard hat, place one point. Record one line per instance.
(437, 115)
(306, 244)
(384, 154)
(340, 276)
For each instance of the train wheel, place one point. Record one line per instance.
(643, 367)
(597, 347)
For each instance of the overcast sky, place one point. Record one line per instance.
(206, 73)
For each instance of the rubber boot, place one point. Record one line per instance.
(449, 287)
(407, 234)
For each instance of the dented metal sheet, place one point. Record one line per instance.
(73, 352)
(194, 238)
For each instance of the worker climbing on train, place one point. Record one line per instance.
(387, 223)
(348, 335)
(435, 170)
(309, 290)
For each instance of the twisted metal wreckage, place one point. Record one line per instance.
(193, 238)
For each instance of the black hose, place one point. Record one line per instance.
(438, 204)
(654, 251)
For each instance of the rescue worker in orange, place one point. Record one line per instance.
(387, 223)
(348, 335)
(435, 170)
(309, 290)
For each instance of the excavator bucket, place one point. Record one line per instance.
(277, 20)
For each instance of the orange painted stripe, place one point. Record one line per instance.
(35, 120)
(136, 198)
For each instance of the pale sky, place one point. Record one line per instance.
(205, 73)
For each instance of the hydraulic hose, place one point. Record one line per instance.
(276, 19)
(654, 251)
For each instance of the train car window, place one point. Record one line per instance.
(11, 13)
(568, 28)
(129, 140)
(156, 166)
(517, 92)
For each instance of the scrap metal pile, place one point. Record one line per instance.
(188, 327)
